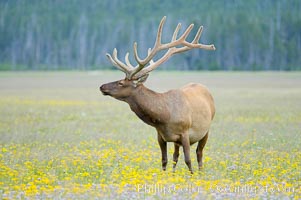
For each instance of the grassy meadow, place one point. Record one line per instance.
(61, 138)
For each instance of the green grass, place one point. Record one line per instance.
(60, 138)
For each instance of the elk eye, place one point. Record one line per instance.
(120, 83)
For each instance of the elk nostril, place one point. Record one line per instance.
(101, 88)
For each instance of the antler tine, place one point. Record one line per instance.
(136, 53)
(136, 70)
(120, 65)
(111, 59)
(175, 34)
(148, 52)
(159, 33)
(180, 40)
(198, 35)
(154, 65)
(127, 61)
(114, 63)
(155, 48)
(195, 42)
(186, 33)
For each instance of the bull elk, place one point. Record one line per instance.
(182, 116)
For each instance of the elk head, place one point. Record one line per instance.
(137, 75)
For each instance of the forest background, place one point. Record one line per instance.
(73, 34)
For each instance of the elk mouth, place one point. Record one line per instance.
(105, 92)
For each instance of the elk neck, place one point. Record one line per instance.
(149, 106)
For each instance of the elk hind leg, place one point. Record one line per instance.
(186, 149)
(199, 150)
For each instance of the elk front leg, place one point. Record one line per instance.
(175, 156)
(163, 147)
(199, 150)
(186, 149)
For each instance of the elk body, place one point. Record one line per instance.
(182, 116)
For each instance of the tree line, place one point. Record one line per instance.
(73, 34)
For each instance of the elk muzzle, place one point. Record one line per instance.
(104, 90)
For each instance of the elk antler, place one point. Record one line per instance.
(141, 69)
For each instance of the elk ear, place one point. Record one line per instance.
(140, 80)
